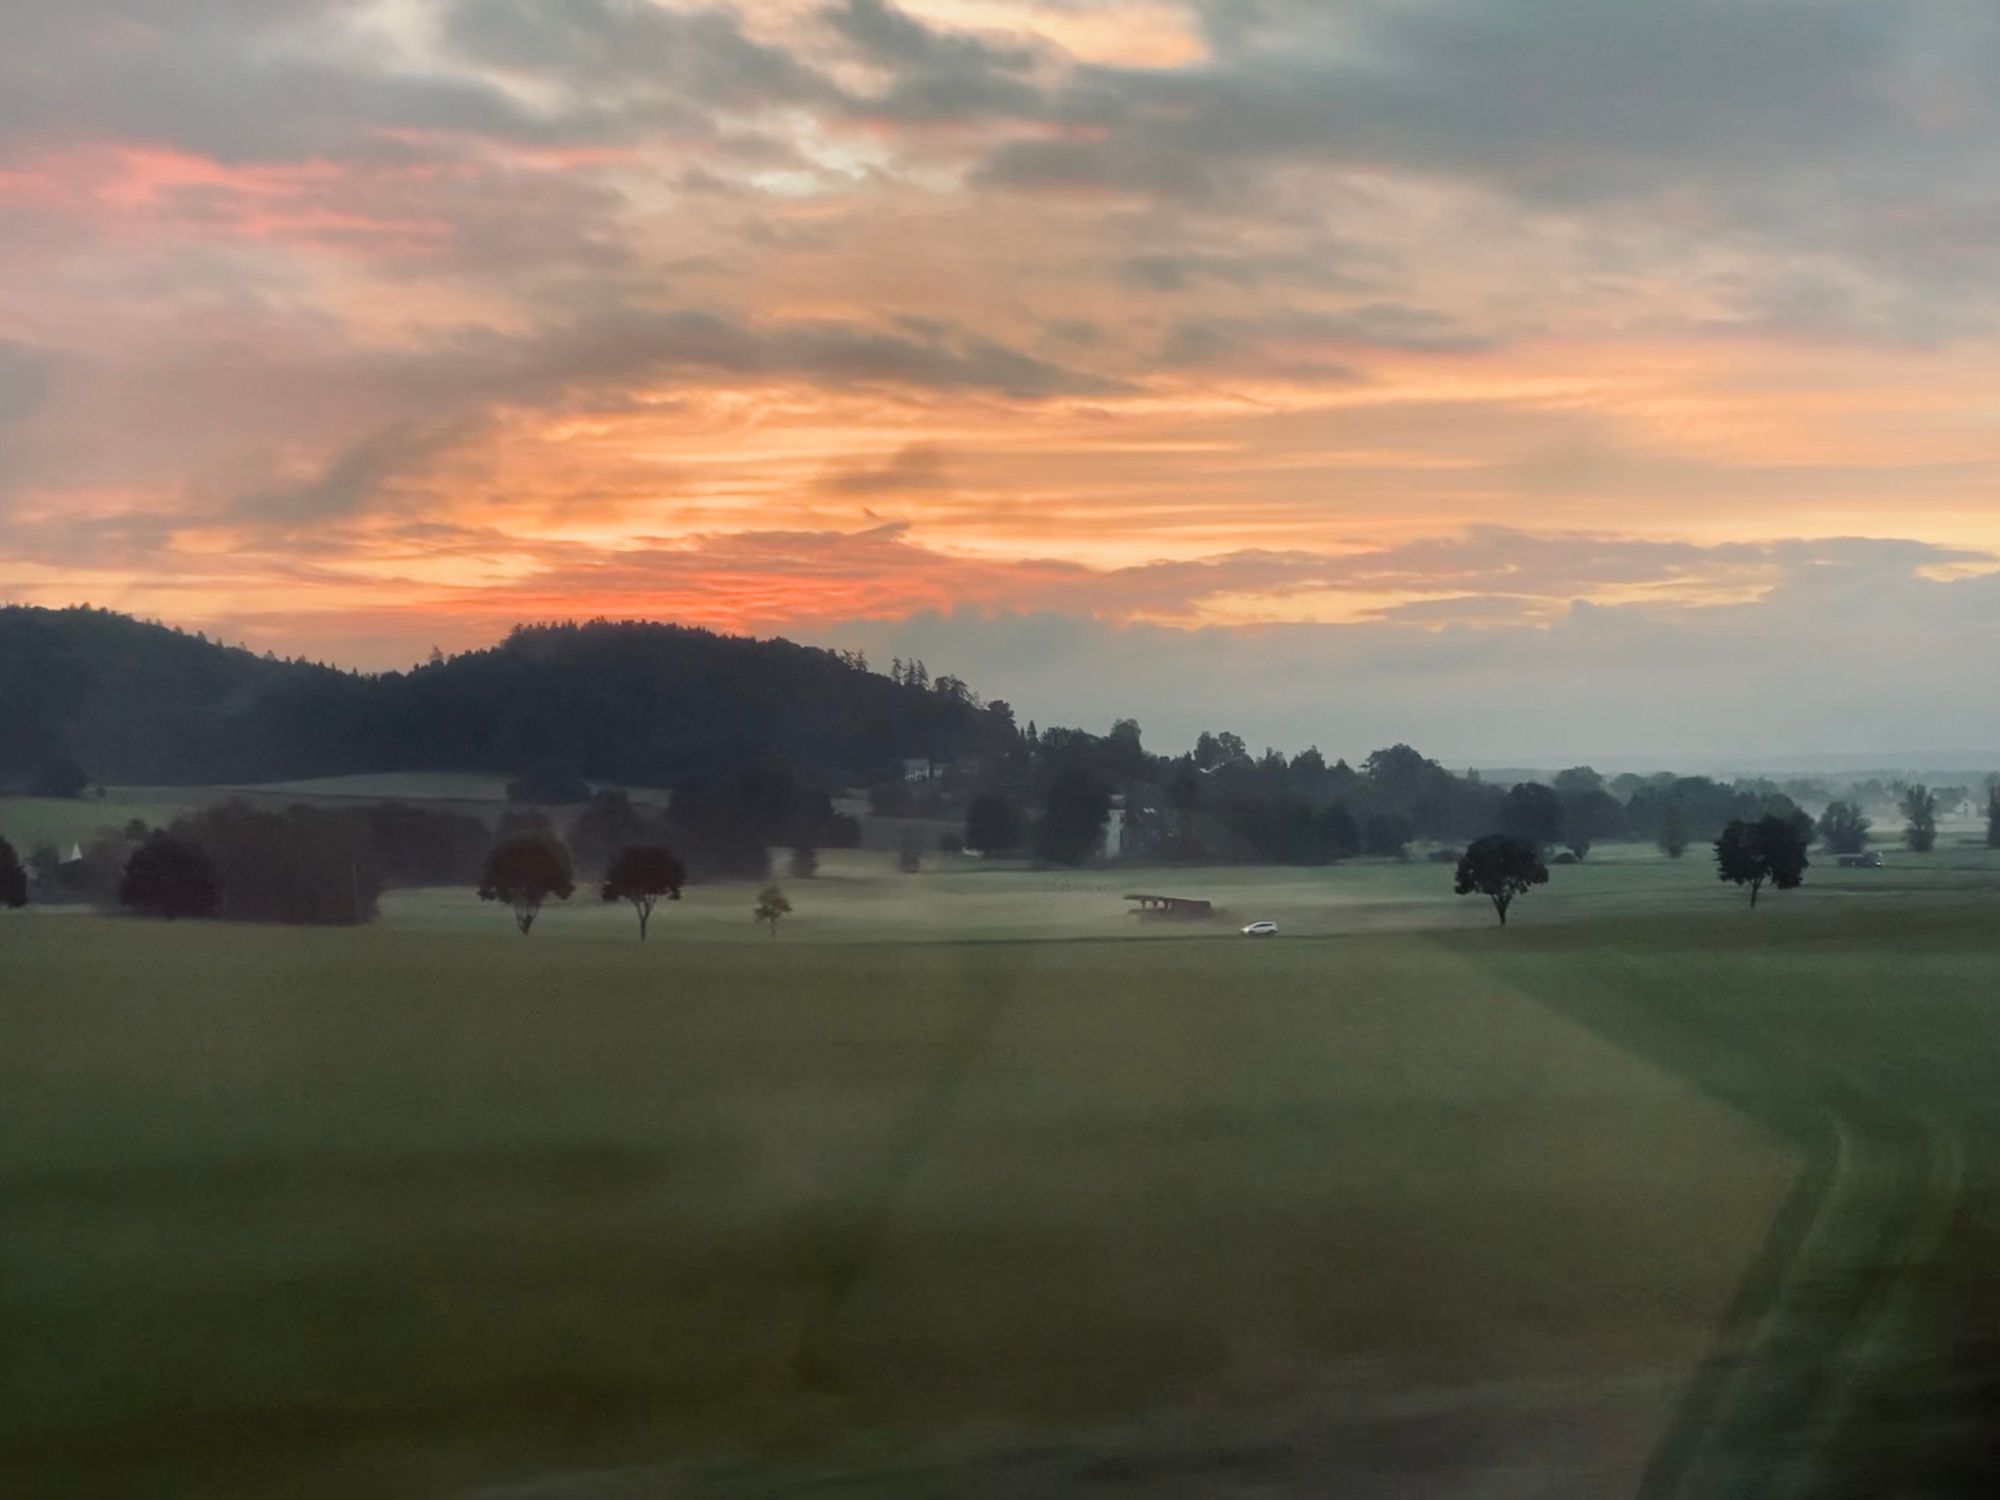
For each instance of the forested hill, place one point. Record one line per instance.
(639, 703)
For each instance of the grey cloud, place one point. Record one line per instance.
(635, 49)
(1826, 128)
(694, 342)
(231, 81)
(459, 383)
(1289, 343)
(355, 478)
(1875, 670)
(936, 74)
(919, 467)
(1567, 100)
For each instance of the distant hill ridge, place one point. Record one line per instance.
(628, 701)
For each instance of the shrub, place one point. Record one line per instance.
(171, 878)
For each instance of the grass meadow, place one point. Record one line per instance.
(970, 1183)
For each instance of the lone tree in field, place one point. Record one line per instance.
(1772, 848)
(1843, 828)
(804, 862)
(524, 872)
(644, 874)
(1993, 813)
(1500, 867)
(1673, 831)
(13, 878)
(1920, 807)
(772, 907)
(171, 878)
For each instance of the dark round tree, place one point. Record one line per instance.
(1773, 848)
(171, 878)
(524, 872)
(991, 824)
(13, 878)
(1533, 814)
(1499, 867)
(645, 874)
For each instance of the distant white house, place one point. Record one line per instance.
(918, 768)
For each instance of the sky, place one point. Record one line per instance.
(1547, 380)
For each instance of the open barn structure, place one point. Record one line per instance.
(1171, 906)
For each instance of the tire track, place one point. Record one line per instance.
(1763, 1417)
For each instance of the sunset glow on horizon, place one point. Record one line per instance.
(353, 328)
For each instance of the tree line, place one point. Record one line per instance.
(1052, 795)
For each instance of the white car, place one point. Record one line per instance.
(1261, 929)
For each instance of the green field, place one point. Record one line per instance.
(861, 896)
(1647, 1194)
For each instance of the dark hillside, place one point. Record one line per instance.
(631, 702)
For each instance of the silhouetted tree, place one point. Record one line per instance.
(644, 874)
(1920, 808)
(1588, 814)
(1773, 849)
(1993, 814)
(61, 777)
(804, 862)
(991, 824)
(1576, 782)
(1843, 828)
(1339, 834)
(13, 878)
(772, 907)
(1213, 750)
(1072, 825)
(169, 877)
(1499, 867)
(910, 852)
(1533, 814)
(525, 872)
